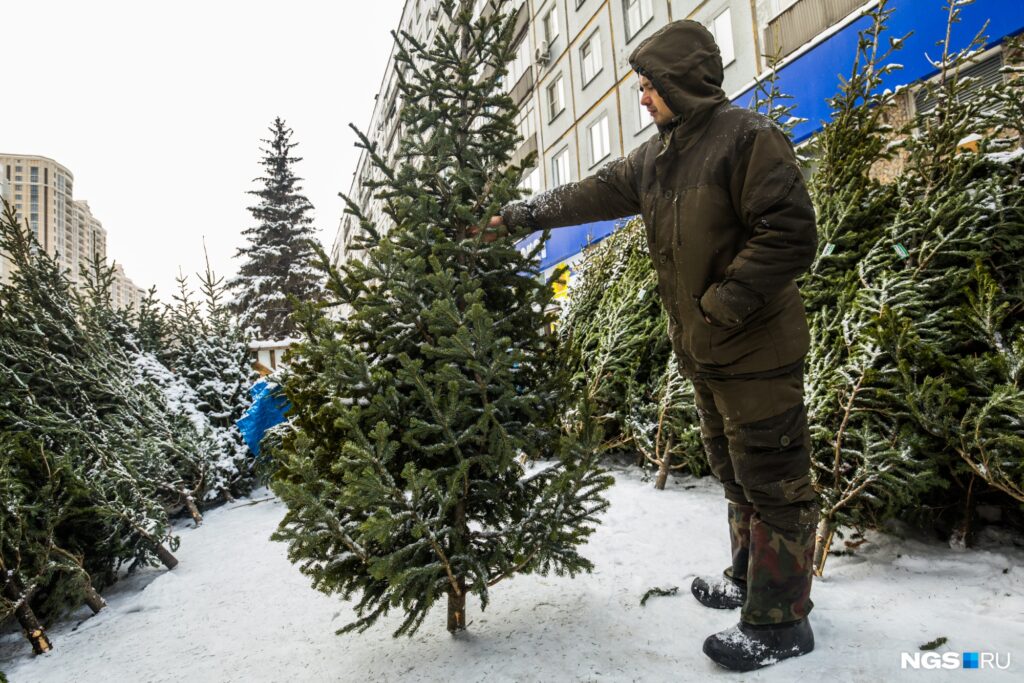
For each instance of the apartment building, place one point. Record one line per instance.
(41, 192)
(90, 240)
(123, 292)
(6, 193)
(577, 97)
(578, 101)
(5, 189)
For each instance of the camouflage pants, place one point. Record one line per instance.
(754, 429)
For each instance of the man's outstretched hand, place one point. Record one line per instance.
(495, 228)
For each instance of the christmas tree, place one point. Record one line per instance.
(220, 372)
(403, 469)
(616, 332)
(78, 497)
(954, 248)
(864, 470)
(278, 258)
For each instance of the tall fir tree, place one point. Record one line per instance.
(403, 467)
(278, 258)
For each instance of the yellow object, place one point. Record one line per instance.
(560, 284)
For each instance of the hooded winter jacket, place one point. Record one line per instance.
(729, 222)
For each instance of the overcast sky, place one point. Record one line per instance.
(158, 109)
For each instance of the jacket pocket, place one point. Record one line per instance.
(772, 188)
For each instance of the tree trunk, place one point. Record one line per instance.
(822, 543)
(959, 536)
(94, 599)
(457, 593)
(457, 606)
(26, 617)
(664, 465)
(197, 517)
(169, 560)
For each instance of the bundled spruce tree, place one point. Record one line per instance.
(955, 248)
(151, 325)
(69, 400)
(183, 462)
(278, 258)
(403, 469)
(615, 330)
(221, 373)
(865, 468)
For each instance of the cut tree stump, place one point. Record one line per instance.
(457, 606)
(94, 600)
(34, 630)
(197, 516)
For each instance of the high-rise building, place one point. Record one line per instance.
(123, 292)
(578, 102)
(41, 191)
(6, 193)
(90, 238)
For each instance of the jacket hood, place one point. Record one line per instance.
(685, 66)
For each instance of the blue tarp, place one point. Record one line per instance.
(267, 409)
(813, 77)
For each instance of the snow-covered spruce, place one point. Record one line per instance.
(403, 471)
(84, 468)
(206, 345)
(278, 257)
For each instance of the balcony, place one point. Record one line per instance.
(802, 22)
(528, 147)
(523, 87)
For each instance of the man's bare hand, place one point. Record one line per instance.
(495, 228)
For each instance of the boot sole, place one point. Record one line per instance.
(744, 666)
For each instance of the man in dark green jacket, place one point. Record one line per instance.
(729, 227)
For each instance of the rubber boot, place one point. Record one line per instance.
(730, 590)
(746, 647)
(723, 593)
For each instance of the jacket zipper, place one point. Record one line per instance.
(675, 211)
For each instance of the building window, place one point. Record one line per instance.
(721, 29)
(33, 175)
(590, 58)
(519, 64)
(560, 168)
(556, 97)
(525, 123)
(531, 181)
(777, 7)
(982, 74)
(551, 25)
(598, 134)
(638, 13)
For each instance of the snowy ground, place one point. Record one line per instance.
(235, 609)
